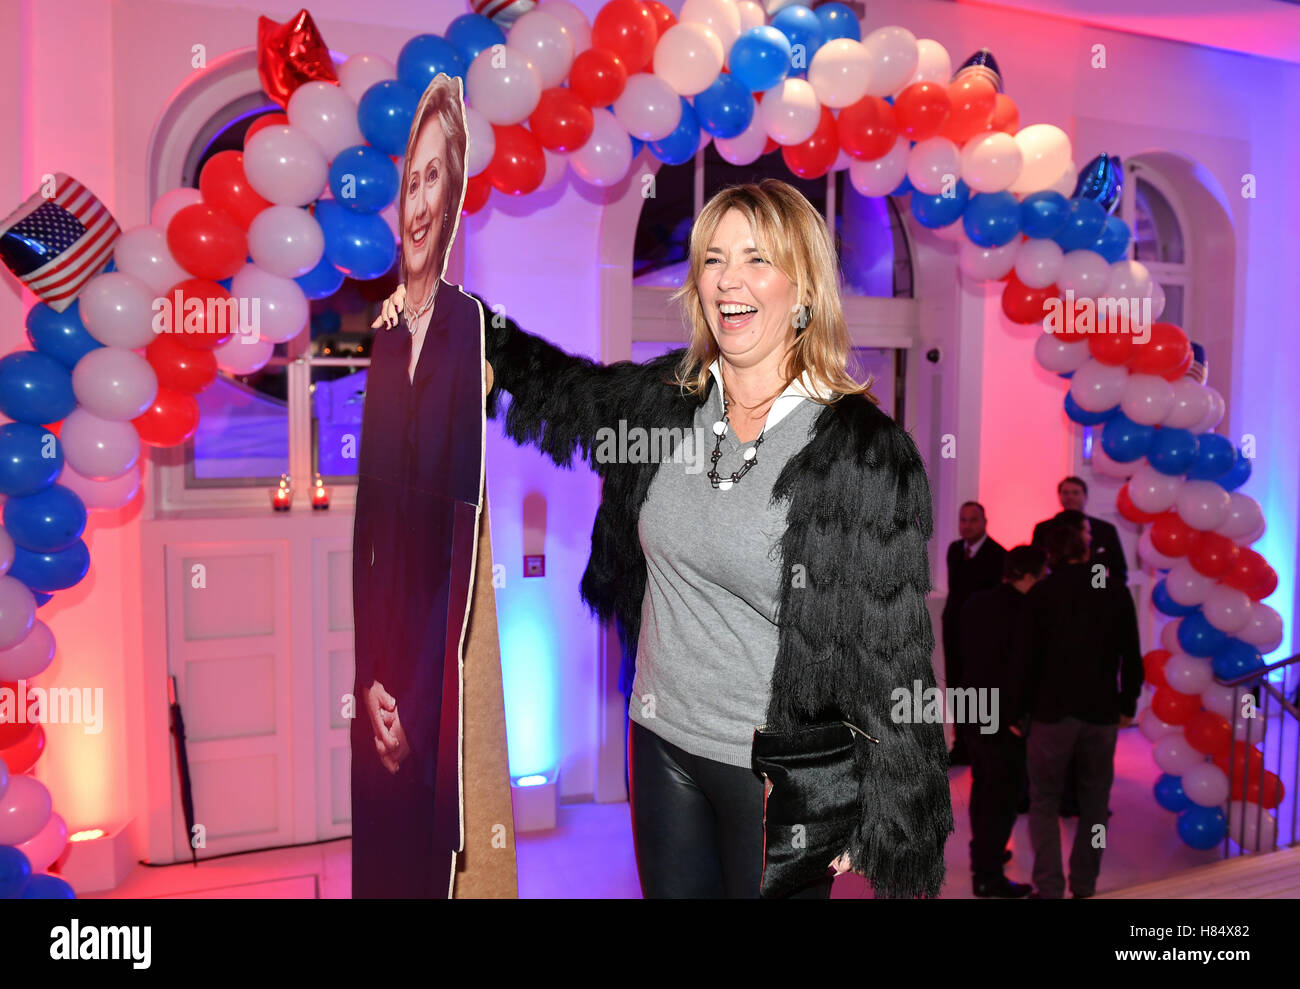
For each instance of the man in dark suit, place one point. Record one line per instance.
(995, 627)
(974, 564)
(1106, 547)
(1084, 639)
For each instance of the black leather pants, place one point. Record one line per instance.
(697, 824)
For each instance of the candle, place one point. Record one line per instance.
(282, 496)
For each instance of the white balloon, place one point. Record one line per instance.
(1188, 674)
(546, 42)
(1219, 699)
(6, 551)
(840, 72)
(1250, 828)
(842, 161)
(574, 21)
(607, 155)
(27, 658)
(1151, 491)
(1215, 415)
(1039, 262)
(285, 165)
(101, 495)
(1206, 785)
(1065, 182)
(1186, 585)
(171, 203)
(1148, 555)
(362, 71)
(1174, 754)
(556, 164)
(1264, 628)
(1191, 404)
(1147, 399)
(990, 162)
(1169, 636)
(688, 57)
(1153, 728)
(326, 114)
(647, 108)
(285, 241)
(143, 253)
(1085, 273)
(933, 164)
(1128, 280)
(1061, 357)
(1244, 516)
(114, 383)
(883, 175)
(17, 612)
(1104, 464)
(1227, 609)
(790, 111)
(1046, 153)
(1098, 387)
(894, 55)
(1203, 504)
(1157, 295)
(276, 303)
(747, 146)
(98, 449)
(482, 142)
(242, 354)
(987, 263)
(505, 93)
(752, 15)
(933, 64)
(722, 16)
(117, 310)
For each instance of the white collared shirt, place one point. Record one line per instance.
(974, 547)
(795, 392)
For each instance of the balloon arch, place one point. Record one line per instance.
(132, 325)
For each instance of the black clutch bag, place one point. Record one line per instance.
(812, 809)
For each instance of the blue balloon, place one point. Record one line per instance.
(363, 179)
(42, 598)
(359, 244)
(1197, 637)
(385, 115)
(322, 281)
(904, 187)
(1172, 451)
(226, 283)
(24, 466)
(1042, 214)
(1101, 180)
(1113, 242)
(1125, 440)
(44, 886)
(637, 145)
(992, 219)
(1235, 658)
(15, 871)
(51, 571)
(35, 388)
(1237, 475)
(1170, 795)
(1168, 606)
(1082, 416)
(726, 108)
(1215, 456)
(46, 522)
(760, 58)
(471, 34)
(680, 146)
(1084, 222)
(802, 28)
(60, 335)
(939, 211)
(423, 57)
(838, 21)
(110, 266)
(1202, 827)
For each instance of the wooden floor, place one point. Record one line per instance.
(1272, 876)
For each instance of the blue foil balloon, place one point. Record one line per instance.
(1084, 222)
(322, 281)
(804, 32)
(838, 21)
(51, 571)
(1125, 440)
(60, 335)
(1043, 214)
(1215, 456)
(46, 522)
(726, 108)
(992, 219)
(424, 56)
(760, 58)
(1169, 793)
(363, 179)
(24, 466)
(1102, 181)
(44, 886)
(15, 871)
(680, 146)
(1082, 416)
(939, 211)
(35, 388)
(1166, 605)
(1197, 637)
(360, 245)
(471, 34)
(1235, 658)
(1172, 451)
(1237, 475)
(1113, 242)
(385, 115)
(1202, 827)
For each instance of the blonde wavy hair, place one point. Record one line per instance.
(441, 102)
(793, 237)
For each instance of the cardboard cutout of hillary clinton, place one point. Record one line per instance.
(430, 791)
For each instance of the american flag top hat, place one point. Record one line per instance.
(981, 64)
(503, 12)
(1200, 369)
(57, 241)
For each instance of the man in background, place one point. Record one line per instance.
(1106, 548)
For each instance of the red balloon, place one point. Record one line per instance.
(1023, 304)
(518, 164)
(922, 109)
(1241, 757)
(22, 755)
(1251, 573)
(477, 190)
(597, 77)
(1212, 554)
(201, 316)
(814, 157)
(266, 120)
(207, 242)
(1006, 115)
(973, 101)
(1165, 350)
(561, 122)
(769, 147)
(290, 54)
(1209, 733)
(181, 368)
(1153, 667)
(1172, 536)
(628, 29)
(172, 419)
(1174, 708)
(1111, 348)
(1265, 790)
(14, 723)
(1125, 506)
(1180, 370)
(225, 187)
(664, 18)
(867, 129)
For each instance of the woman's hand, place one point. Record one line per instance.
(842, 865)
(391, 313)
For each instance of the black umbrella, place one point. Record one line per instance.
(182, 766)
